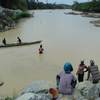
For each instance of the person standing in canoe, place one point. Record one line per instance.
(80, 72)
(4, 41)
(66, 81)
(41, 49)
(19, 40)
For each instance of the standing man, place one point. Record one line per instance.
(94, 72)
(80, 72)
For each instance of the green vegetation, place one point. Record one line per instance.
(14, 4)
(20, 15)
(41, 5)
(19, 4)
(93, 6)
(9, 98)
(32, 4)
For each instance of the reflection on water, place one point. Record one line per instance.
(65, 38)
(41, 57)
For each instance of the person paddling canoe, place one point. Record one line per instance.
(4, 41)
(19, 40)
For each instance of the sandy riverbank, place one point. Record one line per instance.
(39, 91)
(86, 14)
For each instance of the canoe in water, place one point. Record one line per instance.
(22, 44)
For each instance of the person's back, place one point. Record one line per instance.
(65, 86)
(94, 71)
(41, 49)
(66, 81)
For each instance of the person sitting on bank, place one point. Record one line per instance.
(66, 81)
(19, 40)
(4, 41)
(41, 49)
(80, 72)
(94, 72)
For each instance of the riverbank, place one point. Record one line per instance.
(87, 14)
(38, 90)
(9, 18)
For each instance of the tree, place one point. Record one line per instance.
(14, 4)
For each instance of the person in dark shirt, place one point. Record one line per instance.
(80, 72)
(41, 49)
(4, 41)
(93, 70)
(19, 40)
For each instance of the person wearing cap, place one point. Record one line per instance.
(66, 81)
(94, 72)
(80, 72)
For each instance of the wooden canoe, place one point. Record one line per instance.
(17, 44)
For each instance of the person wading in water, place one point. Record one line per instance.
(41, 49)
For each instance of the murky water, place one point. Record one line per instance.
(65, 38)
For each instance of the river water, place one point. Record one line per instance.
(66, 38)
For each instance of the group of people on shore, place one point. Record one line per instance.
(92, 70)
(5, 43)
(66, 81)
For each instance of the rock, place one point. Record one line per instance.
(8, 18)
(88, 90)
(72, 13)
(38, 90)
(96, 23)
(1, 9)
(93, 15)
(32, 96)
(37, 87)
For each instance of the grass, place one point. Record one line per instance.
(21, 15)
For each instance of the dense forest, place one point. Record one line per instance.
(41, 5)
(92, 6)
(14, 4)
(30, 4)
